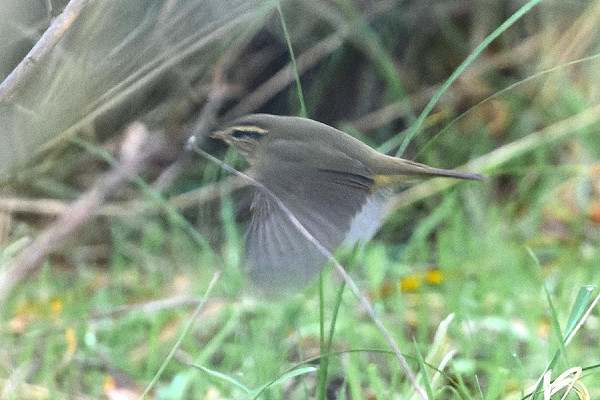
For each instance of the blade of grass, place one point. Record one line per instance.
(576, 318)
(184, 333)
(285, 377)
(324, 359)
(555, 327)
(376, 384)
(288, 41)
(326, 346)
(414, 129)
(557, 330)
(578, 313)
(224, 377)
(370, 42)
(213, 346)
(425, 377)
(499, 93)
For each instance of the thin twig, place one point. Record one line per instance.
(148, 307)
(219, 92)
(182, 201)
(49, 39)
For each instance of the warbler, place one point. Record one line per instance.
(327, 179)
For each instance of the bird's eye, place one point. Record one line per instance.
(246, 133)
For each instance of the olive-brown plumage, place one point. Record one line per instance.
(324, 177)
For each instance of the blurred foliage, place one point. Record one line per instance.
(89, 324)
(117, 61)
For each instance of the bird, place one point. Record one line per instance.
(327, 179)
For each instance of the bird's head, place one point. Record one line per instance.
(246, 133)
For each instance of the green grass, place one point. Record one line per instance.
(512, 254)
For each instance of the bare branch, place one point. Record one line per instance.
(137, 150)
(49, 39)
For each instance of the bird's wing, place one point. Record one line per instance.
(322, 199)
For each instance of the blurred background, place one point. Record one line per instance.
(110, 232)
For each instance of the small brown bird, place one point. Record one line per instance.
(327, 179)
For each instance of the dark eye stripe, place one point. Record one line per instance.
(239, 133)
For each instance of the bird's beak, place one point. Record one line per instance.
(218, 135)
